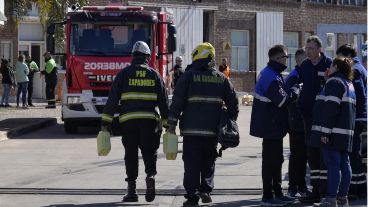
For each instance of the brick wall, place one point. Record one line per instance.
(299, 16)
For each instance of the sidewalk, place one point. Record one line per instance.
(17, 121)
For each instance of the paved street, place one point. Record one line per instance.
(50, 168)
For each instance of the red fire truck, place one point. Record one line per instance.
(99, 42)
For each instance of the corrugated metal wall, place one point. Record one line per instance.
(269, 32)
(189, 25)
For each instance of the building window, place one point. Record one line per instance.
(240, 50)
(6, 50)
(291, 41)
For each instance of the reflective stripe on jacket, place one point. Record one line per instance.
(139, 89)
(198, 98)
(269, 110)
(334, 114)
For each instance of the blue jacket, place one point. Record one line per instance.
(198, 97)
(360, 86)
(312, 77)
(295, 118)
(269, 117)
(334, 114)
(136, 92)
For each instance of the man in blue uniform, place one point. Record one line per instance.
(269, 121)
(298, 149)
(358, 185)
(312, 75)
(136, 91)
(198, 97)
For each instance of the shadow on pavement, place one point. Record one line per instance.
(113, 204)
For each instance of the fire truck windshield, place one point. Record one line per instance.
(107, 39)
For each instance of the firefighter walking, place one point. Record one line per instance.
(50, 73)
(197, 101)
(139, 89)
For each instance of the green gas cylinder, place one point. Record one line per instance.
(170, 146)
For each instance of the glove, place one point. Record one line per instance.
(106, 128)
(171, 129)
(295, 91)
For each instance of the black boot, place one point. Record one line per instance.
(131, 196)
(150, 190)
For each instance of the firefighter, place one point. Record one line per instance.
(139, 89)
(178, 70)
(197, 101)
(269, 121)
(50, 73)
(358, 185)
(32, 65)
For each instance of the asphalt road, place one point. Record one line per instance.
(51, 168)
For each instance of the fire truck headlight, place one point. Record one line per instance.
(73, 100)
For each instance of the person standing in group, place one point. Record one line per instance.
(21, 75)
(298, 149)
(139, 90)
(197, 101)
(32, 65)
(332, 130)
(50, 73)
(269, 121)
(312, 75)
(224, 68)
(178, 70)
(358, 185)
(6, 81)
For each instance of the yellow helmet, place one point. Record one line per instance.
(202, 51)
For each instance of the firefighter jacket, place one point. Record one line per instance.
(139, 89)
(360, 86)
(312, 77)
(269, 117)
(198, 98)
(295, 118)
(334, 114)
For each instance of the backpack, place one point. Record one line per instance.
(228, 132)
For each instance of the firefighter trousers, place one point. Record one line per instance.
(272, 159)
(50, 91)
(199, 156)
(297, 162)
(140, 134)
(358, 184)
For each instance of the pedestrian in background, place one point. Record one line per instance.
(298, 150)
(139, 90)
(178, 70)
(32, 65)
(269, 121)
(312, 76)
(197, 101)
(21, 75)
(50, 73)
(332, 130)
(224, 68)
(6, 81)
(358, 185)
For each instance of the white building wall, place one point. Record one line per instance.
(269, 31)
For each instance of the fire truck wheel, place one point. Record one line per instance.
(70, 127)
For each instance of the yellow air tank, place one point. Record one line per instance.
(170, 145)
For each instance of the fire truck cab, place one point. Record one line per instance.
(99, 41)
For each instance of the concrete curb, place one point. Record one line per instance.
(42, 123)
